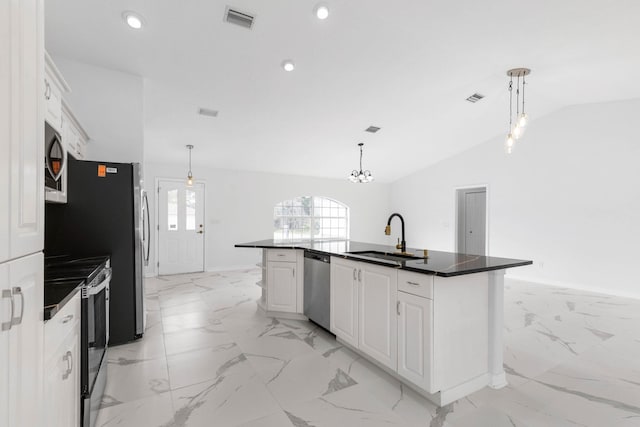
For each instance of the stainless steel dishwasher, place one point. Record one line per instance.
(317, 273)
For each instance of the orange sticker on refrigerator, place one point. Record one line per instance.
(102, 170)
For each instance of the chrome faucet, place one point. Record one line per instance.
(403, 244)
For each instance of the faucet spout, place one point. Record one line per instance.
(403, 244)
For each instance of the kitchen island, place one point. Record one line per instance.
(434, 322)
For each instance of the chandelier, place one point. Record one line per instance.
(189, 174)
(517, 126)
(360, 176)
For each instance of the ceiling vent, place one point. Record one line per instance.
(372, 129)
(236, 17)
(207, 112)
(475, 97)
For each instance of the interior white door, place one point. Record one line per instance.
(472, 220)
(180, 227)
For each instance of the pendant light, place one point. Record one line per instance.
(189, 174)
(360, 176)
(516, 129)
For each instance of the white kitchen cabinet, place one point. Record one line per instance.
(378, 290)
(21, 129)
(74, 136)
(62, 366)
(281, 295)
(21, 339)
(284, 285)
(54, 87)
(344, 300)
(415, 345)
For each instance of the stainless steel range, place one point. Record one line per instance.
(96, 271)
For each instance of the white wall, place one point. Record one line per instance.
(239, 208)
(567, 198)
(109, 106)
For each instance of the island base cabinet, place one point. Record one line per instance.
(378, 314)
(282, 293)
(344, 300)
(415, 340)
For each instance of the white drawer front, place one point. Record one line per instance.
(415, 283)
(288, 255)
(56, 328)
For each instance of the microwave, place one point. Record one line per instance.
(55, 162)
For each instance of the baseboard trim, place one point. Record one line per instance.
(579, 287)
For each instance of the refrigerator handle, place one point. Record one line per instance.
(146, 230)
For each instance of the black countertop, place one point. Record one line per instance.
(64, 275)
(444, 264)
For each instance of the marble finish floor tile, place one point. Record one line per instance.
(129, 380)
(152, 411)
(228, 400)
(353, 406)
(209, 357)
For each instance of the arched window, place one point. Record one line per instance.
(310, 217)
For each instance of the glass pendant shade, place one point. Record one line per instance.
(189, 174)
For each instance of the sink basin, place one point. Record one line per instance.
(385, 255)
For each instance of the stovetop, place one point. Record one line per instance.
(64, 274)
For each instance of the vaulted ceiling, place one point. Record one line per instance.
(406, 66)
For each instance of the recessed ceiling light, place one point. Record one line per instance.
(321, 11)
(288, 65)
(133, 20)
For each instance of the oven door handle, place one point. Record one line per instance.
(95, 290)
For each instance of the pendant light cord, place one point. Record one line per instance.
(510, 103)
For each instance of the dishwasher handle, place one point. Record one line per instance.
(317, 257)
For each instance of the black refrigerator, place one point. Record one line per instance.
(106, 213)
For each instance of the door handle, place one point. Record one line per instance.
(6, 293)
(200, 232)
(18, 291)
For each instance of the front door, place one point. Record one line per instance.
(180, 227)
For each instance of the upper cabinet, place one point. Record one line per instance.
(74, 136)
(54, 87)
(21, 129)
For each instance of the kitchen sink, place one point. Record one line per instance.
(385, 255)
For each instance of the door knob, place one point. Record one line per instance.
(200, 232)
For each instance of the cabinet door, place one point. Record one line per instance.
(53, 102)
(378, 319)
(281, 287)
(62, 382)
(344, 300)
(26, 277)
(415, 339)
(5, 321)
(21, 129)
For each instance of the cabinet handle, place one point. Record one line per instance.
(68, 357)
(47, 87)
(7, 294)
(293, 271)
(398, 307)
(67, 318)
(359, 275)
(280, 254)
(413, 283)
(18, 291)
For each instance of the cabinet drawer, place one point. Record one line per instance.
(56, 328)
(415, 283)
(288, 255)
